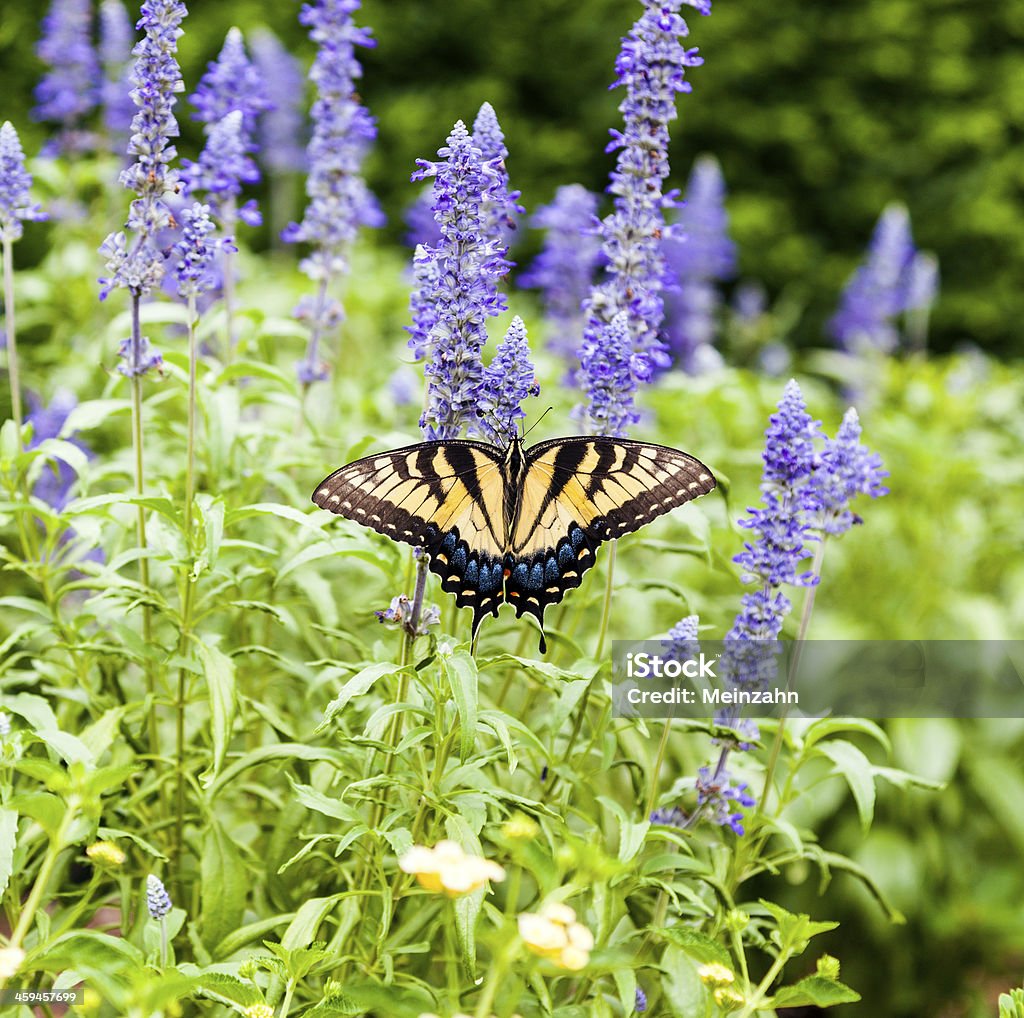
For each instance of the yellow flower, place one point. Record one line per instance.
(91, 1002)
(553, 933)
(105, 853)
(10, 960)
(446, 867)
(727, 998)
(258, 1011)
(520, 828)
(714, 974)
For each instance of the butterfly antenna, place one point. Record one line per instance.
(536, 422)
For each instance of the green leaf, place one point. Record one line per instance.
(34, 709)
(224, 885)
(303, 928)
(360, 684)
(631, 833)
(91, 414)
(461, 672)
(281, 751)
(684, 992)
(100, 735)
(325, 804)
(571, 694)
(858, 772)
(219, 671)
(824, 727)
(815, 991)
(88, 949)
(696, 944)
(8, 840)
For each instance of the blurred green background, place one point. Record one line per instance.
(820, 114)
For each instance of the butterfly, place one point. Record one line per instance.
(513, 525)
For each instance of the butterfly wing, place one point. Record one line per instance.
(579, 492)
(445, 497)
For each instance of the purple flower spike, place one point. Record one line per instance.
(846, 469)
(16, 207)
(343, 130)
(718, 795)
(419, 217)
(608, 378)
(117, 38)
(158, 901)
(504, 209)
(224, 167)
(682, 643)
(651, 66)
(426, 275)
(47, 422)
(877, 292)
(507, 381)
(68, 92)
(698, 252)
(196, 251)
(281, 124)
(156, 77)
(564, 270)
(231, 83)
(470, 263)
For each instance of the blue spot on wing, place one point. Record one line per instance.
(577, 537)
(536, 579)
(458, 559)
(472, 573)
(551, 571)
(565, 555)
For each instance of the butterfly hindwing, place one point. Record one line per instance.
(445, 497)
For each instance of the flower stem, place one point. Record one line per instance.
(794, 665)
(190, 463)
(31, 906)
(12, 345)
(607, 608)
(228, 268)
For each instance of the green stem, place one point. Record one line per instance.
(606, 610)
(190, 463)
(286, 1003)
(228, 264)
(57, 845)
(12, 345)
(652, 795)
(140, 520)
(755, 1001)
(805, 620)
(495, 978)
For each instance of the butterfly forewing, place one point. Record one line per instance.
(445, 497)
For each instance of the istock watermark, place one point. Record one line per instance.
(876, 678)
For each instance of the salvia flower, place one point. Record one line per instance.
(470, 263)
(670, 816)
(117, 37)
(231, 82)
(640, 1003)
(5, 723)
(681, 643)
(156, 77)
(195, 253)
(845, 469)
(400, 613)
(426, 275)
(16, 207)
(698, 253)
(507, 381)
(719, 795)
(922, 285)
(651, 66)
(609, 372)
(158, 901)
(877, 291)
(339, 200)
(68, 92)
(503, 210)
(564, 270)
(223, 168)
(47, 421)
(419, 217)
(282, 148)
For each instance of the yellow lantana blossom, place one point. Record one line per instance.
(447, 868)
(714, 974)
(105, 853)
(554, 933)
(10, 961)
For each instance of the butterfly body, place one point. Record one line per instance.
(513, 525)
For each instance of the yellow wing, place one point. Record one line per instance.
(579, 492)
(445, 497)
